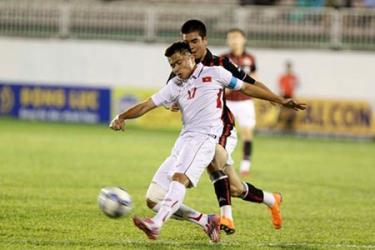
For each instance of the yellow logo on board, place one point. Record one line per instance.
(6, 100)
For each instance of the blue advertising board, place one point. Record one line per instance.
(55, 102)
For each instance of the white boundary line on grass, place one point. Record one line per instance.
(242, 244)
(185, 244)
(319, 245)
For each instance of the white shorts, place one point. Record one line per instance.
(244, 112)
(191, 155)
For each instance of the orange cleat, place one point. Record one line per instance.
(227, 225)
(277, 220)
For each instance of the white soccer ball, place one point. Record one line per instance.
(114, 201)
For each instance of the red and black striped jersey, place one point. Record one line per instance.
(245, 62)
(212, 60)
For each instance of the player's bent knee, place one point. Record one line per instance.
(220, 158)
(216, 165)
(217, 175)
(150, 204)
(211, 168)
(181, 178)
(155, 194)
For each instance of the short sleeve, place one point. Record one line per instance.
(166, 95)
(228, 80)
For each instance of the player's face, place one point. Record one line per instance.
(196, 43)
(236, 41)
(182, 64)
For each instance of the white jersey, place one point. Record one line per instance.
(200, 98)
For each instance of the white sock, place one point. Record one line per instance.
(268, 198)
(192, 215)
(156, 208)
(226, 211)
(245, 166)
(171, 203)
(187, 213)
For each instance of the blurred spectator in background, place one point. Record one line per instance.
(336, 3)
(313, 3)
(242, 106)
(257, 2)
(288, 82)
(296, 3)
(348, 3)
(369, 3)
(310, 3)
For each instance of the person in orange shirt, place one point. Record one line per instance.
(288, 83)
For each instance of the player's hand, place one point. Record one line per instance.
(117, 123)
(174, 107)
(292, 104)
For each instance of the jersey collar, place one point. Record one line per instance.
(207, 58)
(197, 71)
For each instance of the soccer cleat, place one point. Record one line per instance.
(212, 227)
(147, 226)
(227, 225)
(277, 220)
(245, 168)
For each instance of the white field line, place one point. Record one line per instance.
(265, 244)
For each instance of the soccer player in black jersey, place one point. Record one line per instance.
(226, 181)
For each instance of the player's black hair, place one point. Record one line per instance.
(178, 46)
(194, 25)
(238, 31)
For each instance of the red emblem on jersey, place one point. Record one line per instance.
(206, 79)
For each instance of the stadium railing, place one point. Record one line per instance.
(265, 26)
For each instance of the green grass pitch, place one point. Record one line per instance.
(50, 176)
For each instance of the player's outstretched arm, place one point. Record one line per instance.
(240, 74)
(136, 111)
(262, 86)
(292, 104)
(257, 92)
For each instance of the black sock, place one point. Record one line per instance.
(252, 193)
(247, 149)
(222, 188)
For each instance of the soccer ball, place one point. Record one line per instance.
(114, 201)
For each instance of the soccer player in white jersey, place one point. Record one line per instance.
(194, 33)
(199, 92)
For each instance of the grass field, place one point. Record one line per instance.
(50, 176)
